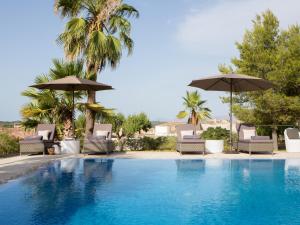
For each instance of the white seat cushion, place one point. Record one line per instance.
(248, 134)
(186, 133)
(102, 133)
(44, 134)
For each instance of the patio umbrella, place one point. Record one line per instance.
(73, 83)
(231, 83)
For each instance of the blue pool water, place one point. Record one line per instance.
(155, 192)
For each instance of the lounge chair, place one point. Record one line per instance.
(40, 142)
(248, 141)
(292, 140)
(100, 141)
(188, 141)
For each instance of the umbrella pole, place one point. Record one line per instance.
(231, 115)
(73, 123)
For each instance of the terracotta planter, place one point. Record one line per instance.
(51, 151)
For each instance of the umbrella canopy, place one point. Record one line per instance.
(73, 83)
(231, 83)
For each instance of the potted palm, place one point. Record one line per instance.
(214, 139)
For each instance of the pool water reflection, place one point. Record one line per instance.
(107, 191)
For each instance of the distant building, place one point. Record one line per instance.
(17, 125)
(166, 129)
(162, 131)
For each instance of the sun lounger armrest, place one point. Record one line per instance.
(260, 138)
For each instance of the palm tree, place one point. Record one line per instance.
(97, 31)
(48, 106)
(194, 108)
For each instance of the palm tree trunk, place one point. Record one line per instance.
(90, 114)
(92, 71)
(275, 138)
(194, 118)
(68, 127)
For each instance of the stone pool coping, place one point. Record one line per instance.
(14, 167)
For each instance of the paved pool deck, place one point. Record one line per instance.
(14, 167)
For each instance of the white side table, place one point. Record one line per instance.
(70, 147)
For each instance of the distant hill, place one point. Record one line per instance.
(154, 123)
(8, 123)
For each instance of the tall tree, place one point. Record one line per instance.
(48, 106)
(97, 30)
(194, 108)
(270, 53)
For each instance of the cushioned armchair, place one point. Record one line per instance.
(100, 141)
(292, 140)
(248, 141)
(38, 143)
(188, 141)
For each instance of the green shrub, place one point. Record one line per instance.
(217, 133)
(169, 144)
(133, 144)
(8, 144)
(145, 143)
(148, 143)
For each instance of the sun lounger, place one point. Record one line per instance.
(40, 142)
(100, 141)
(188, 141)
(248, 141)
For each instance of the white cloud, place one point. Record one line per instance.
(214, 30)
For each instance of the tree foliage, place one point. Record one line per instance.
(97, 31)
(194, 108)
(125, 128)
(270, 53)
(8, 144)
(136, 123)
(49, 106)
(117, 120)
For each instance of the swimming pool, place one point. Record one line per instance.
(126, 191)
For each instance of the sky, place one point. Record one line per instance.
(176, 41)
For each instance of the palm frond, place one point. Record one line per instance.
(73, 39)
(30, 93)
(182, 114)
(114, 50)
(127, 11)
(96, 47)
(67, 8)
(127, 42)
(43, 78)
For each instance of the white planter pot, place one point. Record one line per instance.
(214, 146)
(70, 147)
